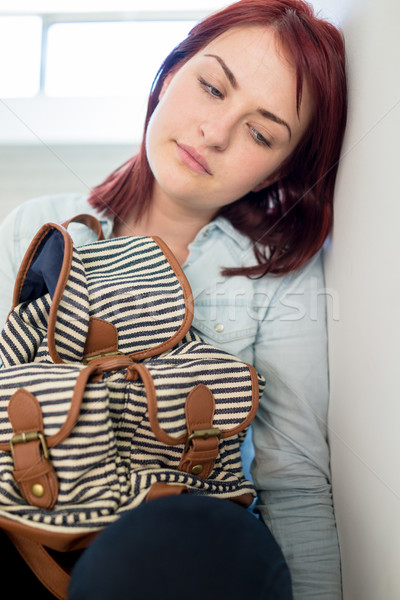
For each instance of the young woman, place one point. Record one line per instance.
(236, 174)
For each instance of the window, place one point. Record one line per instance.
(20, 49)
(108, 58)
(79, 71)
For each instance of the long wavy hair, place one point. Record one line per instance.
(288, 221)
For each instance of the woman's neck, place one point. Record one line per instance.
(175, 225)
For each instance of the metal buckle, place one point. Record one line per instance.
(202, 433)
(89, 359)
(30, 436)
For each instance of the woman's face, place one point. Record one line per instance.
(226, 121)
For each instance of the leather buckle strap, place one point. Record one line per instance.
(33, 470)
(202, 444)
(30, 436)
(202, 433)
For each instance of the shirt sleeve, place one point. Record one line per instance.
(10, 259)
(291, 466)
(21, 225)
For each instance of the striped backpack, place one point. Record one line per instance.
(108, 398)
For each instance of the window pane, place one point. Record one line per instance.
(20, 48)
(108, 59)
(93, 6)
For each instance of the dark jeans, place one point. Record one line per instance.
(183, 547)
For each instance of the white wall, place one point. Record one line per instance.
(363, 267)
(27, 171)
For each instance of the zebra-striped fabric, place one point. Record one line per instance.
(114, 454)
(132, 286)
(127, 282)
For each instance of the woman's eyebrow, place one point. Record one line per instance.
(262, 111)
(272, 117)
(226, 69)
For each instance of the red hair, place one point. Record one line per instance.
(289, 221)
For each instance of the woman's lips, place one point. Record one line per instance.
(192, 159)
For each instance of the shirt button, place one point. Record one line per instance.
(219, 328)
(206, 233)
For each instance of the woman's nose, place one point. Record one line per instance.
(217, 132)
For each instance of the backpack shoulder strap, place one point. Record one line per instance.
(46, 568)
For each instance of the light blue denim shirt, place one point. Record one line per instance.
(278, 324)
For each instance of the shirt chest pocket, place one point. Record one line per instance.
(229, 327)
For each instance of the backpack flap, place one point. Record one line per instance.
(60, 470)
(125, 295)
(200, 402)
(50, 303)
(137, 287)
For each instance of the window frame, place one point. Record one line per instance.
(49, 19)
(47, 120)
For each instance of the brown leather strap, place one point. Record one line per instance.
(244, 500)
(45, 567)
(88, 220)
(102, 338)
(76, 401)
(162, 490)
(34, 473)
(202, 446)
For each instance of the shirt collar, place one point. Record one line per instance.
(228, 229)
(107, 224)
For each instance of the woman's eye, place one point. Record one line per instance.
(259, 138)
(210, 89)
